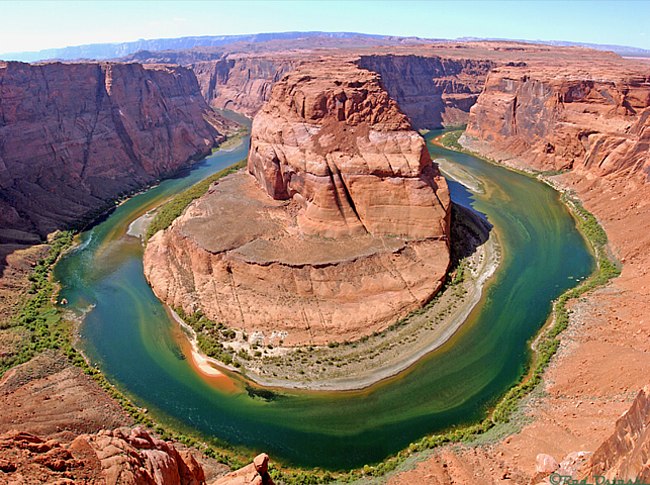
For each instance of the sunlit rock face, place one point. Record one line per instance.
(75, 136)
(339, 230)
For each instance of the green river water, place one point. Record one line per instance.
(129, 335)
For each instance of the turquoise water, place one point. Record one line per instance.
(130, 336)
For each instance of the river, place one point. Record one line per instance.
(128, 333)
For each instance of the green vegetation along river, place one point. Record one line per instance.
(130, 336)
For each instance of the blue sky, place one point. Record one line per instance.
(43, 24)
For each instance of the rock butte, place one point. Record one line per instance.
(341, 230)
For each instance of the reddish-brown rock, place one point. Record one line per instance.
(345, 233)
(255, 473)
(122, 456)
(333, 139)
(241, 83)
(75, 136)
(431, 91)
(626, 454)
(552, 117)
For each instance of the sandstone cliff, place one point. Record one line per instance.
(75, 136)
(431, 91)
(552, 118)
(243, 83)
(345, 233)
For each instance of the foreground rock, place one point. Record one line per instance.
(344, 232)
(626, 454)
(122, 456)
(75, 136)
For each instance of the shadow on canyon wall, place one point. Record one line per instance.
(469, 230)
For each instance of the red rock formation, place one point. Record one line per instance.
(241, 83)
(75, 136)
(551, 117)
(122, 456)
(332, 139)
(352, 238)
(431, 91)
(626, 454)
(255, 473)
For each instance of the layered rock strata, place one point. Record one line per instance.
(75, 136)
(431, 91)
(554, 118)
(241, 84)
(341, 230)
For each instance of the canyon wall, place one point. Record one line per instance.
(341, 230)
(240, 84)
(75, 136)
(432, 91)
(555, 118)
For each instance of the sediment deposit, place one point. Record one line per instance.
(342, 230)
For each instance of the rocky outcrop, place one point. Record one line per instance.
(256, 473)
(241, 84)
(75, 136)
(344, 232)
(626, 454)
(554, 118)
(332, 139)
(432, 91)
(121, 456)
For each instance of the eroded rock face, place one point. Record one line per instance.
(241, 84)
(75, 136)
(558, 118)
(626, 454)
(431, 91)
(333, 139)
(121, 456)
(342, 231)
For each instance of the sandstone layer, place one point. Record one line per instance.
(432, 91)
(560, 117)
(344, 232)
(242, 84)
(76, 136)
